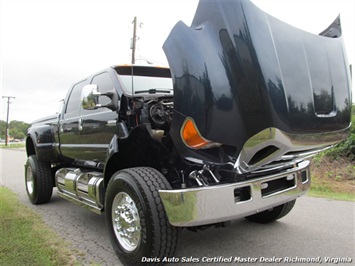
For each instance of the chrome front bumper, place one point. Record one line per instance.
(213, 204)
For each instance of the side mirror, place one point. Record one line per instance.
(90, 98)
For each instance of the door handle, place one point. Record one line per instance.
(80, 124)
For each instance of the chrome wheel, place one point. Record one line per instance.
(126, 221)
(135, 216)
(29, 180)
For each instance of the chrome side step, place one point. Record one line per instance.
(83, 188)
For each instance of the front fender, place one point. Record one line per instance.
(139, 148)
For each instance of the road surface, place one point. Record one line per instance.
(316, 229)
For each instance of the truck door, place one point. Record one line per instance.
(97, 127)
(69, 132)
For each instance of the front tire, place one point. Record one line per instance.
(135, 216)
(273, 214)
(38, 180)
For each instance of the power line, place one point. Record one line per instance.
(7, 117)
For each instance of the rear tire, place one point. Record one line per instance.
(38, 180)
(135, 216)
(273, 214)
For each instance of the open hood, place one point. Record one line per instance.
(257, 87)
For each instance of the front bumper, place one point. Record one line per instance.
(208, 205)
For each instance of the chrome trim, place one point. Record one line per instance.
(213, 204)
(79, 202)
(207, 169)
(126, 222)
(276, 165)
(29, 180)
(83, 188)
(301, 146)
(306, 154)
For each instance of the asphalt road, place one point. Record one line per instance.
(316, 228)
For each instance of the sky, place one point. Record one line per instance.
(47, 45)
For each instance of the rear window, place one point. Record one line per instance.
(145, 79)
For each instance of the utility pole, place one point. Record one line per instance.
(7, 117)
(134, 40)
(351, 71)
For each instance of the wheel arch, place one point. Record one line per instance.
(30, 147)
(40, 141)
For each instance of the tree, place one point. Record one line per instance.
(2, 129)
(17, 129)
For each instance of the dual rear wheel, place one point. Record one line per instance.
(38, 180)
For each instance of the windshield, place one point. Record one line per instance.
(146, 84)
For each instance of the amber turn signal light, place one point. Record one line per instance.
(191, 136)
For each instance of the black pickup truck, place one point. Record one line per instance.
(224, 133)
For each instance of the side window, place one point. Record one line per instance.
(73, 106)
(105, 84)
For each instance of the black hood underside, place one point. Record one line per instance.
(238, 71)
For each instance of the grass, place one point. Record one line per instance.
(25, 239)
(333, 178)
(319, 192)
(12, 145)
(333, 171)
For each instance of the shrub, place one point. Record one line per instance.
(346, 148)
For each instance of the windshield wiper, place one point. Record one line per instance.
(153, 91)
